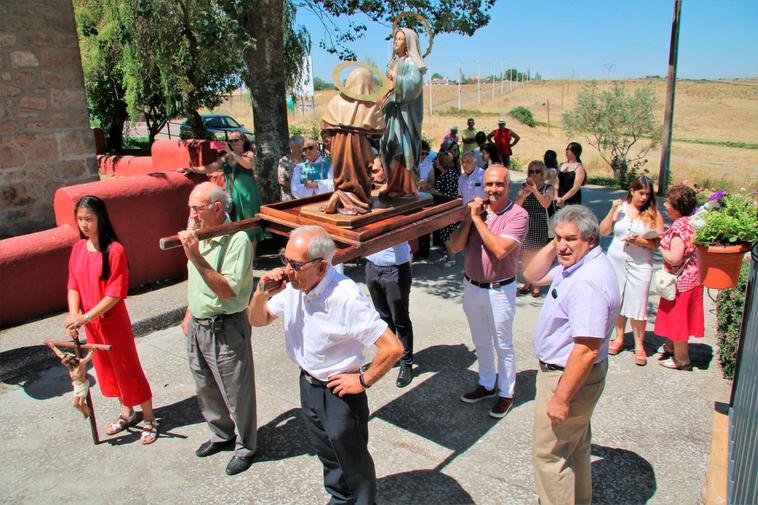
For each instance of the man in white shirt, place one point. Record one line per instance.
(328, 322)
(313, 175)
(388, 278)
(471, 181)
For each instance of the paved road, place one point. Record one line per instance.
(651, 429)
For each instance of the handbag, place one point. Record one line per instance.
(663, 283)
(549, 214)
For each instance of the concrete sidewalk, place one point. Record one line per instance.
(651, 428)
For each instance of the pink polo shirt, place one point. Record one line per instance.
(481, 264)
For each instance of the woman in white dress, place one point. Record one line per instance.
(632, 257)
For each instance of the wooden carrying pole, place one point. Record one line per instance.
(668, 114)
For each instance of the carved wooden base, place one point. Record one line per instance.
(381, 208)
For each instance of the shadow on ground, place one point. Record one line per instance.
(421, 487)
(621, 476)
(700, 354)
(419, 411)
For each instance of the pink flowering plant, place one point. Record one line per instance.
(727, 219)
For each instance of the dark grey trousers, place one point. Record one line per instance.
(221, 362)
(390, 290)
(338, 429)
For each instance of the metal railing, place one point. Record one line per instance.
(742, 471)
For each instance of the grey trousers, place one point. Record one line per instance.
(221, 362)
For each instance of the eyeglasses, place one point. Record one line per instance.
(198, 208)
(296, 265)
(530, 172)
(235, 140)
(308, 148)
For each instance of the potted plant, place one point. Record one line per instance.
(726, 227)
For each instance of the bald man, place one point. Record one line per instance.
(492, 232)
(220, 281)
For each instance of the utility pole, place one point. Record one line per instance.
(501, 79)
(478, 84)
(459, 85)
(668, 114)
(609, 67)
(493, 80)
(548, 117)
(510, 81)
(429, 70)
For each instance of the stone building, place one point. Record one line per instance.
(45, 136)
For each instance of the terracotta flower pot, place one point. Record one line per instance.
(720, 265)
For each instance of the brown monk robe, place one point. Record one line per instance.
(349, 121)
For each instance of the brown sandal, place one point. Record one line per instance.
(120, 424)
(614, 348)
(640, 358)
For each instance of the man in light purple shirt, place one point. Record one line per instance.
(571, 342)
(492, 231)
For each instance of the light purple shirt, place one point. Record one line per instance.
(583, 301)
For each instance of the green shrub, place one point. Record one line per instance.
(729, 305)
(523, 115)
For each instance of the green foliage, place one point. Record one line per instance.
(320, 84)
(620, 125)
(726, 220)
(445, 16)
(454, 111)
(310, 132)
(515, 165)
(723, 143)
(513, 74)
(523, 115)
(136, 146)
(729, 307)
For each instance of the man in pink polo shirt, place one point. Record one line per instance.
(492, 232)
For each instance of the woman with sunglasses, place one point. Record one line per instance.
(536, 197)
(98, 279)
(240, 180)
(631, 253)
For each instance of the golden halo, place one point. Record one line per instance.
(423, 22)
(373, 97)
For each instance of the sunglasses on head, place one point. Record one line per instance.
(296, 265)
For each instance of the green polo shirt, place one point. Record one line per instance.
(236, 267)
(468, 137)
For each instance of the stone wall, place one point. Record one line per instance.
(45, 137)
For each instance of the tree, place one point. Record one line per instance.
(101, 50)
(269, 22)
(435, 75)
(620, 125)
(320, 84)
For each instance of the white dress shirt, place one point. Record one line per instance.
(327, 330)
(471, 186)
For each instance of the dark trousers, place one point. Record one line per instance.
(424, 246)
(390, 289)
(338, 429)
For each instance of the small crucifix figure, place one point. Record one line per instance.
(77, 370)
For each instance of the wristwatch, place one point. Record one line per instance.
(363, 382)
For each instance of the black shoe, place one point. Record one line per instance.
(210, 448)
(405, 376)
(478, 394)
(238, 465)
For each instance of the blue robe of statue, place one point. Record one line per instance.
(403, 113)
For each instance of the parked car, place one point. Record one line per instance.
(219, 126)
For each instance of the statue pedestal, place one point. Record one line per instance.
(382, 208)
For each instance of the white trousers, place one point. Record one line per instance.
(490, 318)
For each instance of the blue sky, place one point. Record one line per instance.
(557, 37)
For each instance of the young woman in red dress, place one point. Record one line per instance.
(97, 283)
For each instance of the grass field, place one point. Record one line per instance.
(715, 123)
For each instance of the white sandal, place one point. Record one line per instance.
(149, 432)
(120, 424)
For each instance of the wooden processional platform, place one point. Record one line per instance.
(390, 222)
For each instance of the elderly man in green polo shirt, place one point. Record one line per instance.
(220, 282)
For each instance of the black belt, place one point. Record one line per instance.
(490, 285)
(549, 367)
(209, 321)
(311, 379)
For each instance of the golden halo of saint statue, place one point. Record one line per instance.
(423, 21)
(373, 97)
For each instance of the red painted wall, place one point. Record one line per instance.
(34, 268)
(166, 156)
(143, 209)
